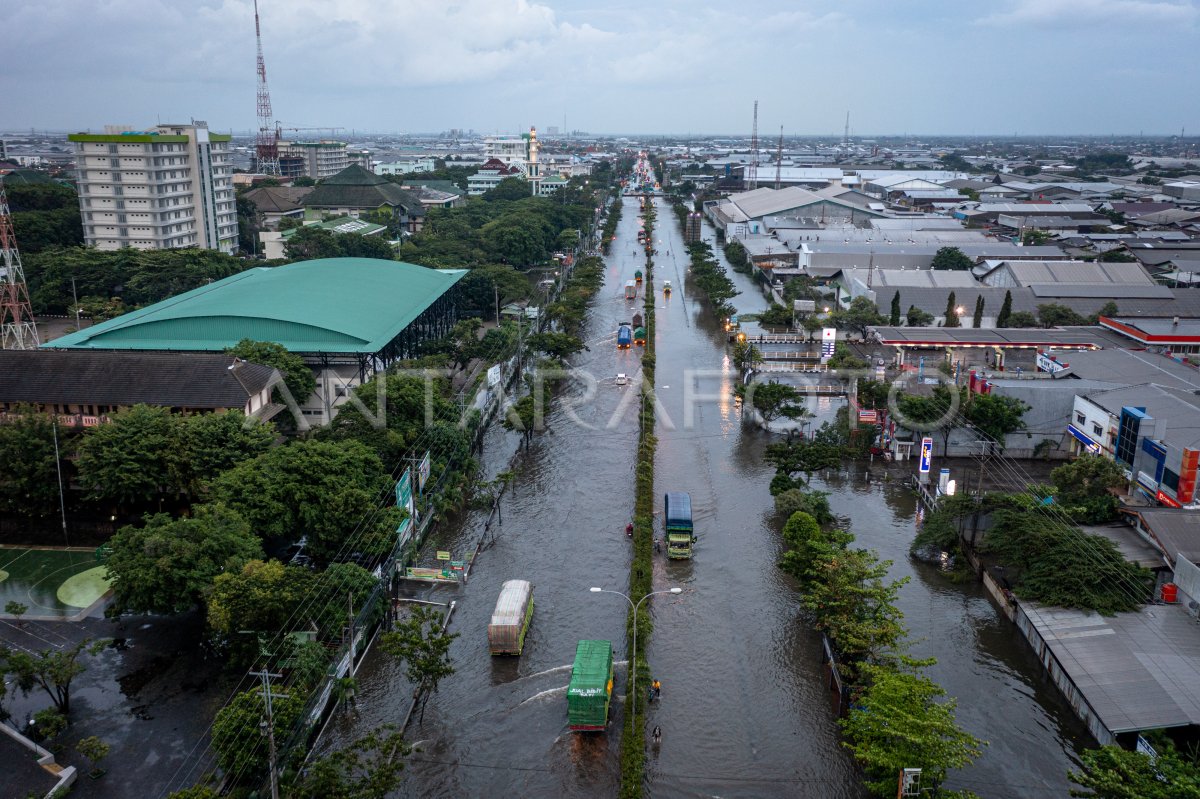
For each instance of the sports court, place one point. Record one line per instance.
(54, 583)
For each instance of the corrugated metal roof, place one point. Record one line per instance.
(1138, 671)
(1177, 531)
(510, 605)
(333, 305)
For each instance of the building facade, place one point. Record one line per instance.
(166, 187)
(313, 159)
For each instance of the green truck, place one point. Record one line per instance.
(677, 511)
(590, 691)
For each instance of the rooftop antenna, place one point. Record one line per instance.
(752, 172)
(779, 161)
(266, 145)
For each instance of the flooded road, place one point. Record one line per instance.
(744, 710)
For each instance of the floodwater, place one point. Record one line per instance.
(744, 710)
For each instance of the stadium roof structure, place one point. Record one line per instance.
(327, 306)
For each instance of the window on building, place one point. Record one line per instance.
(1097, 430)
(1170, 480)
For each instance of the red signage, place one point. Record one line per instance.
(1164, 499)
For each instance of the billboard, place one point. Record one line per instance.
(493, 375)
(828, 342)
(404, 532)
(423, 472)
(926, 454)
(404, 492)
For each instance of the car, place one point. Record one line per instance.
(622, 379)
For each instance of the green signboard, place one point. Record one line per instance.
(404, 492)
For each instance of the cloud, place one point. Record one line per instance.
(1090, 12)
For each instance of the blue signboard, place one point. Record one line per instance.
(926, 454)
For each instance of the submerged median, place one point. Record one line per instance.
(633, 739)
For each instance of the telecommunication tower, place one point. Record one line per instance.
(752, 170)
(846, 133)
(266, 146)
(18, 331)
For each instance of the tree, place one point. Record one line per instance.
(260, 598)
(29, 479)
(811, 325)
(899, 722)
(195, 792)
(745, 355)
(508, 189)
(1005, 314)
(1108, 310)
(977, 319)
(814, 503)
(369, 768)
(133, 458)
(49, 723)
(44, 215)
(94, 750)
(1055, 315)
(559, 346)
(918, 318)
(1056, 563)
(951, 312)
(1022, 319)
(843, 358)
(1111, 772)
(297, 377)
(311, 242)
(15, 609)
(861, 314)
(215, 442)
(168, 564)
(423, 645)
(775, 401)
(238, 729)
(894, 321)
(316, 490)
(951, 258)
(52, 670)
(995, 416)
(1084, 487)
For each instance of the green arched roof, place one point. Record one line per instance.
(331, 305)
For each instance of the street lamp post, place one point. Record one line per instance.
(633, 654)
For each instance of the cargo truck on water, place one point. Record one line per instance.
(677, 513)
(589, 693)
(511, 617)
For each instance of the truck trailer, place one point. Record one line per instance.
(589, 693)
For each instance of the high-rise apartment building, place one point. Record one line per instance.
(165, 187)
(318, 159)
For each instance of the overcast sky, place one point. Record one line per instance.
(610, 66)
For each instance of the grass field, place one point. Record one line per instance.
(52, 583)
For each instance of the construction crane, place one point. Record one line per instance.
(752, 170)
(18, 331)
(279, 129)
(266, 144)
(779, 161)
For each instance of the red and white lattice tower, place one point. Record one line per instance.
(266, 146)
(17, 328)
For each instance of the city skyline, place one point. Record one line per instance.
(1026, 67)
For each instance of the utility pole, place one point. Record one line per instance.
(62, 502)
(779, 161)
(269, 723)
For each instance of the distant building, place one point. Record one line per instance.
(314, 159)
(274, 242)
(406, 166)
(166, 187)
(276, 202)
(490, 175)
(355, 191)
